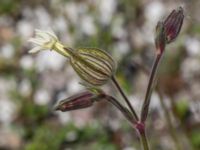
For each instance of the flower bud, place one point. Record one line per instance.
(78, 101)
(160, 40)
(173, 24)
(93, 65)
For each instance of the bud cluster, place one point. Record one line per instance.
(168, 30)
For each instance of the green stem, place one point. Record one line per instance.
(144, 141)
(142, 133)
(125, 98)
(145, 106)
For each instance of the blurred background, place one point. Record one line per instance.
(30, 85)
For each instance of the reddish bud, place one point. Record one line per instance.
(173, 24)
(78, 101)
(168, 30)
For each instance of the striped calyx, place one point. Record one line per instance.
(93, 65)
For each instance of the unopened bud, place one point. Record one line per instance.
(168, 30)
(173, 24)
(78, 101)
(160, 40)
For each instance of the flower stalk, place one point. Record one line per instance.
(125, 97)
(144, 141)
(140, 127)
(145, 106)
(128, 115)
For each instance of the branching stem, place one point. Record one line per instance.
(142, 133)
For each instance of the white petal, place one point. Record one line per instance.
(35, 49)
(46, 34)
(51, 33)
(43, 39)
(37, 41)
(38, 31)
(42, 35)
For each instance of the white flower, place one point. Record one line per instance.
(44, 40)
(47, 40)
(93, 65)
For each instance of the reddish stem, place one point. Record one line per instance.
(141, 130)
(145, 107)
